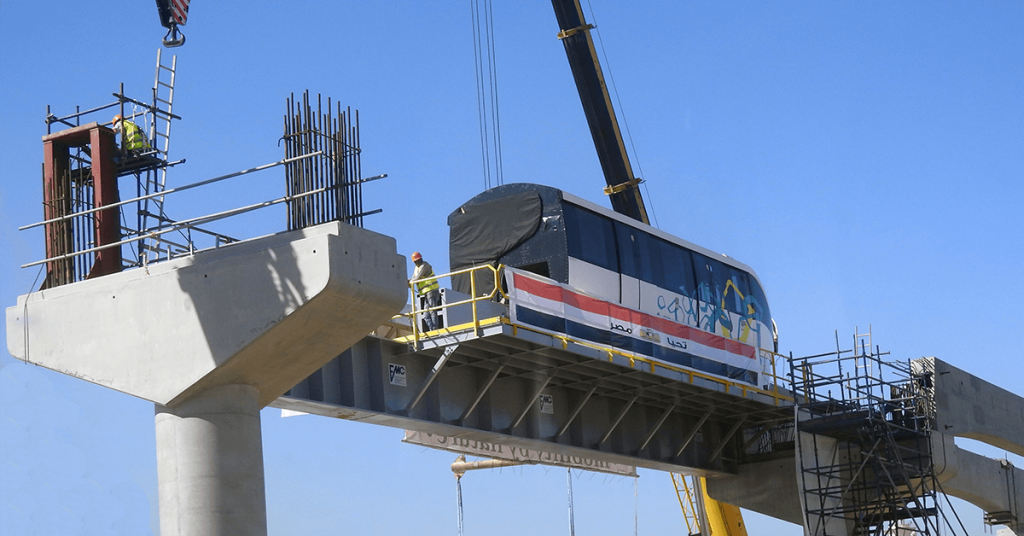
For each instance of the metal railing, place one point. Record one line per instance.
(178, 226)
(650, 364)
(776, 390)
(417, 311)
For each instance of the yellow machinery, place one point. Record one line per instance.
(706, 516)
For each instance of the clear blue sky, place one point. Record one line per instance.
(865, 158)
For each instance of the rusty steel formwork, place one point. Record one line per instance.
(79, 176)
(334, 175)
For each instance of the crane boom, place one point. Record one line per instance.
(623, 187)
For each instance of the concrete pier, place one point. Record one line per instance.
(209, 454)
(210, 339)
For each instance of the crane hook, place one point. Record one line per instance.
(174, 37)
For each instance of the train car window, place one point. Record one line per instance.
(709, 287)
(677, 269)
(539, 268)
(627, 240)
(649, 259)
(760, 302)
(722, 284)
(590, 237)
(737, 291)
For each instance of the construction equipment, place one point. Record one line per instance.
(173, 13)
(623, 188)
(707, 515)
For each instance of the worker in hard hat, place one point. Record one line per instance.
(427, 290)
(133, 140)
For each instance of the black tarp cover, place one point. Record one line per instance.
(480, 233)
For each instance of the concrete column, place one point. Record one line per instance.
(209, 453)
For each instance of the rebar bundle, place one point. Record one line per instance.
(334, 174)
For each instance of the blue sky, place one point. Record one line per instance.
(865, 158)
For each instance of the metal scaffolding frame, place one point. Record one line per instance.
(863, 444)
(87, 218)
(71, 201)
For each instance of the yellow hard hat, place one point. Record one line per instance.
(416, 256)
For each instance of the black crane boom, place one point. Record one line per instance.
(623, 187)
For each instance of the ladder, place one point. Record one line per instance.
(864, 371)
(160, 137)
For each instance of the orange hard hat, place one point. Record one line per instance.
(116, 119)
(416, 256)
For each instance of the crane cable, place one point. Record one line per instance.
(636, 507)
(487, 92)
(572, 522)
(618, 101)
(458, 492)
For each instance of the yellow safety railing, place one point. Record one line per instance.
(775, 377)
(416, 313)
(646, 362)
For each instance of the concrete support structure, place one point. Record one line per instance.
(210, 339)
(968, 406)
(766, 487)
(210, 464)
(995, 486)
(965, 406)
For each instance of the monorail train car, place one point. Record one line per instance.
(597, 275)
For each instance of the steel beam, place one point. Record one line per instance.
(618, 419)
(692, 434)
(434, 371)
(616, 407)
(657, 426)
(576, 411)
(725, 439)
(483, 390)
(530, 403)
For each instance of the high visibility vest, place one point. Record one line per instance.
(427, 285)
(133, 139)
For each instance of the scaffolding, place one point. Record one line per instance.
(86, 218)
(863, 444)
(70, 176)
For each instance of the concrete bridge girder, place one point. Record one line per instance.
(265, 312)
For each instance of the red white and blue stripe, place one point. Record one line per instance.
(549, 305)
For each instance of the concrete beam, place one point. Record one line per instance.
(968, 406)
(766, 487)
(266, 313)
(992, 485)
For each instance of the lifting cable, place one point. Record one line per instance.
(572, 522)
(487, 92)
(636, 507)
(458, 492)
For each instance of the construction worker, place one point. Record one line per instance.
(133, 140)
(427, 290)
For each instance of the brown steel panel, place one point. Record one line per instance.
(106, 222)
